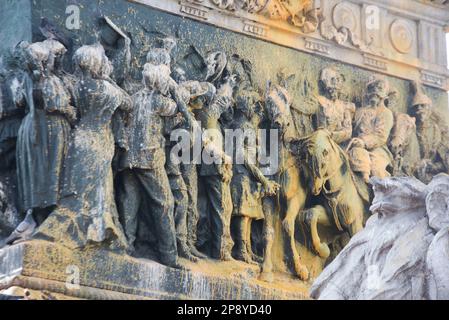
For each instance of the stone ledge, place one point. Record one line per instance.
(40, 265)
(393, 63)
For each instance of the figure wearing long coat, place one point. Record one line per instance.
(87, 212)
(336, 116)
(144, 180)
(214, 175)
(42, 142)
(373, 126)
(11, 115)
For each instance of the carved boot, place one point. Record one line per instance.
(184, 251)
(257, 259)
(225, 252)
(266, 273)
(241, 245)
(242, 254)
(171, 262)
(196, 252)
(227, 256)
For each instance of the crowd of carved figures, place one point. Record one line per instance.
(91, 152)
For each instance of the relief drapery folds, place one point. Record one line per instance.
(92, 151)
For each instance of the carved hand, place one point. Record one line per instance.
(357, 143)
(271, 188)
(226, 172)
(71, 114)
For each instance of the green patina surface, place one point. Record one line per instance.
(15, 21)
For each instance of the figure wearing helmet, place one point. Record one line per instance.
(432, 136)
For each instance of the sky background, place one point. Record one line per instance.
(447, 46)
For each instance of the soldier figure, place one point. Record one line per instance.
(175, 177)
(368, 151)
(216, 176)
(432, 135)
(178, 189)
(144, 177)
(334, 114)
(199, 94)
(249, 185)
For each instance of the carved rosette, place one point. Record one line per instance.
(344, 16)
(401, 36)
(343, 27)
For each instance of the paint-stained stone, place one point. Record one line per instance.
(40, 265)
(44, 266)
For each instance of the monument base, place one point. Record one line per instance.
(55, 272)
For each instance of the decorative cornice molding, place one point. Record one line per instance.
(439, 3)
(193, 11)
(414, 49)
(301, 14)
(415, 9)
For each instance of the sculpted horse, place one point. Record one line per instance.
(403, 144)
(293, 192)
(340, 205)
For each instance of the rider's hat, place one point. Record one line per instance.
(379, 86)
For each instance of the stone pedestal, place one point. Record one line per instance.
(50, 268)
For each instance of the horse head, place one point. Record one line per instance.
(320, 155)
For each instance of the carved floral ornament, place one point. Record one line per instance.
(345, 24)
(299, 13)
(306, 15)
(343, 27)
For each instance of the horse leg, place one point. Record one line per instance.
(358, 210)
(313, 217)
(293, 208)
